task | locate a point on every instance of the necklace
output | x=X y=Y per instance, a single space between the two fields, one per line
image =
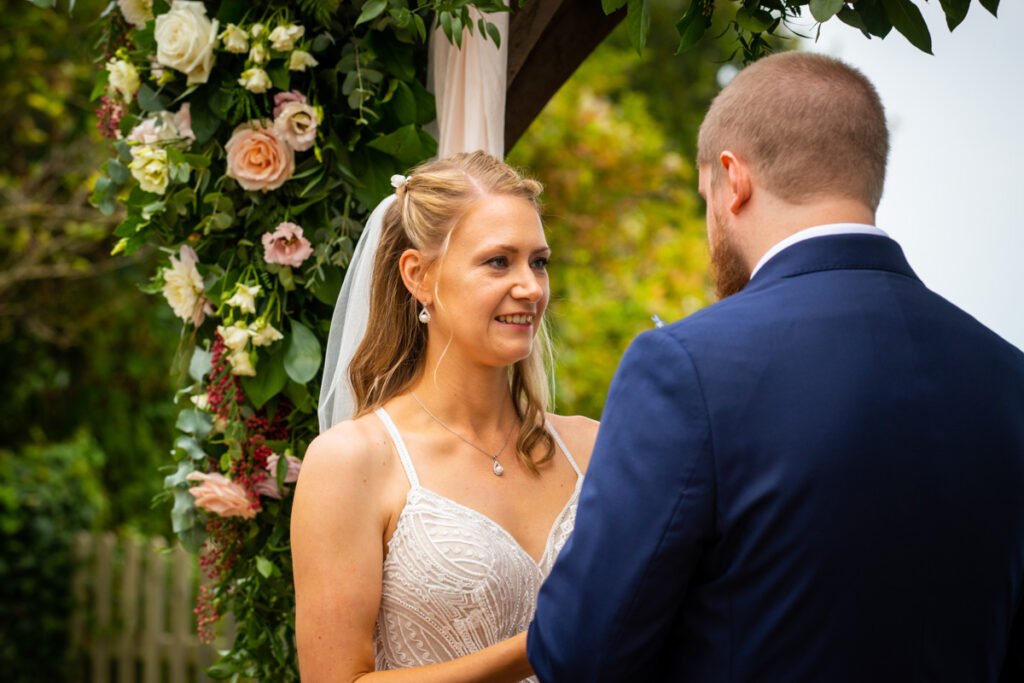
x=495 y=465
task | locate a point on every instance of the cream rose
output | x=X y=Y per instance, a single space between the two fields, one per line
x=259 y=53
x=183 y=287
x=255 y=80
x=185 y=39
x=258 y=158
x=300 y=59
x=235 y=337
x=264 y=334
x=283 y=37
x=296 y=122
x=123 y=78
x=235 y=40
x=149 y=167
x=241 y=364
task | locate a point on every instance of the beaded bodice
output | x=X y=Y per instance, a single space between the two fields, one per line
x=455 y=581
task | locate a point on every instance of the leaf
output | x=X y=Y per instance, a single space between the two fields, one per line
x=190 y=447
x=204 y=121
x=823 y=10
x=403 y=144
x=494 y=33
x=371 y=10
x=149 y=100
x=280 y=76
x=991 y=5
x=404 y=104
x=691 y=27
x=269 y=380
x=327 y=287
x=194 y=422
x=200 y=364
x=183 y=514
x=906 y=18
x=232 y=11
x=610 y=6
x=955 y=10
x=638 y=23
x=302 y=354
x=753 y=21
x=851 y=18
x=874 y=18
x=265 y=567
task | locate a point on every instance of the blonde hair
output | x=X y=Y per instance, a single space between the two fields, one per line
x=391 y=357
x=810 y=126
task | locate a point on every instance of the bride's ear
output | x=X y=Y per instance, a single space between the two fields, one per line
x=417 y=275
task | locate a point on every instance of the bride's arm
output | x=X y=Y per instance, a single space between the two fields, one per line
x=338 y=522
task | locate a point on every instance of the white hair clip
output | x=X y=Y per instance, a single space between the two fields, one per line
x=398 y=181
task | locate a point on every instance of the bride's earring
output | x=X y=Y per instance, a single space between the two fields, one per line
x=424 y=315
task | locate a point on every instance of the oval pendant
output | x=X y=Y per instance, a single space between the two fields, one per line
x=497 y=469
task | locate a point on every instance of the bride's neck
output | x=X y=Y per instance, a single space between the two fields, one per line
x=475 y=399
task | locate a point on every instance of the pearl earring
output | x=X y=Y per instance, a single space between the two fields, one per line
x=424 y=315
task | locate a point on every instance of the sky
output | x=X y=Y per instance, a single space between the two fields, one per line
x=954 y=195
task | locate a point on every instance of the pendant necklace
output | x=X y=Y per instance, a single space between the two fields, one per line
x=496 y=467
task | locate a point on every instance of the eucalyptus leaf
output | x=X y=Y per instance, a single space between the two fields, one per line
x=149 y=100
x=194 y=422
x=906 y=18
x=189 y=446
x=183 y=514
x=302 y=354
x=823 y=10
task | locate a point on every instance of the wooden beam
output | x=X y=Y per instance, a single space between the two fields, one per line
x=548 y=40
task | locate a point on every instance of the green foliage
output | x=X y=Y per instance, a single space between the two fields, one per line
x=756 y=24
x=47 y=493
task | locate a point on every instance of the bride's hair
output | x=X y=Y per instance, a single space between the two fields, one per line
x=391 y=357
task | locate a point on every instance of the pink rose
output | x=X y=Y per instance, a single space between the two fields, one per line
x=268 y=487
x=183 y=122
x=221 y=496
x=282 y=98
x=296 y=123
x=286 y=246
x=258 y=158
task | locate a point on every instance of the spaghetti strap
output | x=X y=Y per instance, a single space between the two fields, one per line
x=568 y=455
x=403 y=453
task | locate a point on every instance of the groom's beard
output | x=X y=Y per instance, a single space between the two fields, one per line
x=728 y=270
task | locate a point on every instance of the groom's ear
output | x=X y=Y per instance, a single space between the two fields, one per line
x=416 y=275
x=738 y=179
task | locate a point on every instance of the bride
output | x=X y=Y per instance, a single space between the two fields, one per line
x=423 y=527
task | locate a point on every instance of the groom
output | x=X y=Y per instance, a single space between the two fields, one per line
x=820 y=478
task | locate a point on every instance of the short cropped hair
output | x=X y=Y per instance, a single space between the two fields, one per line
x=809 y=126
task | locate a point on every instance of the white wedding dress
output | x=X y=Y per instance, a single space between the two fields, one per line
x=455 y=581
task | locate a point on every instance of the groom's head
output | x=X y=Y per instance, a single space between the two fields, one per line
x=794 y=140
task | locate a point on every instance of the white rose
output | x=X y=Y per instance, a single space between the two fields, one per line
x=185 y=39
x=258 y=54
x=264 y=334
x=300 y=59
x=256 y=30
x=241 y=364
x=244 y=298
x=235 y=40
x=284 y=36
x=136 y=12
x=124 y=78
x=183 y=286
x=255 y=80
x=235 y=337
x=149 y=167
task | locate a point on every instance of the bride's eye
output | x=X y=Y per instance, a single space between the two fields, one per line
x=541 y=262
x=498 y=262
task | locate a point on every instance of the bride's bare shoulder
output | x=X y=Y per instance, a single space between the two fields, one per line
x=579 y=434
x=353 y=448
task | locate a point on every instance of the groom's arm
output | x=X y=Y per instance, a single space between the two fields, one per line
x=646 y=508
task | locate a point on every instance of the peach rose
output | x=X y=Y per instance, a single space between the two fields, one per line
x=286 y=246
x=268 y=487
x=221 y=496
x=258 y=158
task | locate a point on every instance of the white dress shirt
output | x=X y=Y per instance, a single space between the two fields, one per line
x=818 y=231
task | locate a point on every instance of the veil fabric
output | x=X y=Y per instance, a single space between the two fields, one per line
x=469 y=88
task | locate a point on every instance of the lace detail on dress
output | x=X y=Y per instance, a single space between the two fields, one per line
x=455 y=581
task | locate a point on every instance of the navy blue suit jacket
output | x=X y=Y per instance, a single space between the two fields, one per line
x=818 y=479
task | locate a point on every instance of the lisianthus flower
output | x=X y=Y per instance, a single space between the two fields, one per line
x=136 y=12
x=123 y=78
x=296 y=122
x=264 y=334
x=284 y=36
x=164 y=126
x=244 y=298
x=268 y=487
x=149 y=167
x=241 y=364
x=286 y=246
x=300 y=59
x=255 y=80
x=221 y=496
x=283 y=98
x=235 y=337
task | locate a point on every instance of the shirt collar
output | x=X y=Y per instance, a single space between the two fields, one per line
x=818 y=231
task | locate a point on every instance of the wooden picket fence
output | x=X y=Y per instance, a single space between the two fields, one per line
x=133 y=618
